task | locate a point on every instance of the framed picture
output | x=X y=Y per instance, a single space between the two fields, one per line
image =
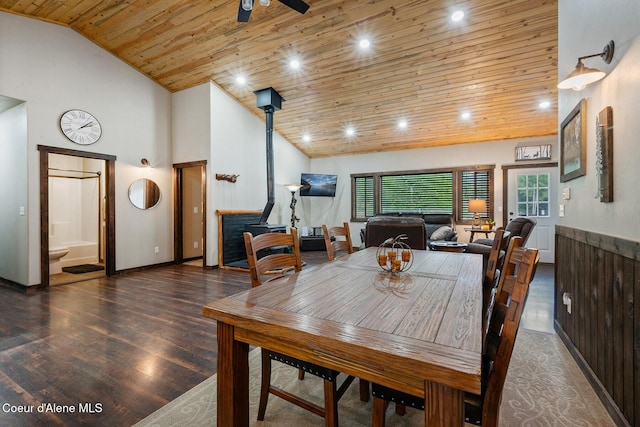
x=533 y=152
x=604 y=154
x=573 y=143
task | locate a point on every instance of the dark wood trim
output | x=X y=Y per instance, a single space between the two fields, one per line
x=178 y=236
x=505 y=182
x=44 y=219
x=626 y=248
x=110 y=209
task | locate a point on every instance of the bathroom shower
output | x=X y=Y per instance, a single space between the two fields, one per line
x=75 y=214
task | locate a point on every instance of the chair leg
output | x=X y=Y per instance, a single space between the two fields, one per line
x=300 y=374
x=379 y=409
x=265 y=383
x=330 y=404
x=401 y=409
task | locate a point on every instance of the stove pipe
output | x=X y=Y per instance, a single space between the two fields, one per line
x=270 y=101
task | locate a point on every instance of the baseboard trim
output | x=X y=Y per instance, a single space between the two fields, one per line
x=598 y=387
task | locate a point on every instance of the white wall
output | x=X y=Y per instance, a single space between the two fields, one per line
x=210 y=125
x=585 y=26
x=319 y=210
x=13 y=194
x=54 y=69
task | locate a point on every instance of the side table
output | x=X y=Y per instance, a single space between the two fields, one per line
x=474 y=230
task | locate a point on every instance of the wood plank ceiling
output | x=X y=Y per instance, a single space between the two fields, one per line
x=498 y=63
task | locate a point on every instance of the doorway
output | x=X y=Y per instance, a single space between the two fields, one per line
x=105 y=214
x=190 y=206
x=531 y=191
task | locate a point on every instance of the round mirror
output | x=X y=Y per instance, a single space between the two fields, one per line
x=144 y=193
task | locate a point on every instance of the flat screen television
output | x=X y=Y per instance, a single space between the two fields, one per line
x=316 y=184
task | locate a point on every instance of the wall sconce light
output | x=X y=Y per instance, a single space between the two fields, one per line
x=582 y=76
x=293 y=188
x=145 y=163
x=476 y=206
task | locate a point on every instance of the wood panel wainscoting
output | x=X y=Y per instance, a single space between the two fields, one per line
x=601 y=276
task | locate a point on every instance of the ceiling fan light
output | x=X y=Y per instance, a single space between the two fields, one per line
x=247 y=5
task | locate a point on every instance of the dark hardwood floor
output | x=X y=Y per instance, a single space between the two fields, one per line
x=116 y=349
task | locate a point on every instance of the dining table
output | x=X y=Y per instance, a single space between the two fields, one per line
x=418 y=331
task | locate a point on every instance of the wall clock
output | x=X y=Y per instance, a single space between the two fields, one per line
x=80 y=127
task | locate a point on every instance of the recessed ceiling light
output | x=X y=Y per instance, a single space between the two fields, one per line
x=306 y=137
x=241 y=80
x=457 y=16
x=350 y=131
x=294 y=64
x=465 y=115
x=364 y=44
x=544 y=104
x=402 y=124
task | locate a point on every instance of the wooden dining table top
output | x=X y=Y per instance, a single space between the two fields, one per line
x=400 y=330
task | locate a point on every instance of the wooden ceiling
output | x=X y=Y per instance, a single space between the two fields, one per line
x=498 y=63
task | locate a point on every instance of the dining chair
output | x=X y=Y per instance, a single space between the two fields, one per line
x=280 y=253
x=482 y=409
x=337 y=239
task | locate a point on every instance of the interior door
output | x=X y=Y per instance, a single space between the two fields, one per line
x=533 y=194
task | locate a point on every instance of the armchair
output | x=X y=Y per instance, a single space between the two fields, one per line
x=520 y=226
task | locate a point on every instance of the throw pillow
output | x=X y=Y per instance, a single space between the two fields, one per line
x=440 y=233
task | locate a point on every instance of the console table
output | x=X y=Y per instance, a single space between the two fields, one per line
x=312 y=243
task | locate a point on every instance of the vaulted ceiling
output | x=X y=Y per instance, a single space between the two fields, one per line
x=498 y=63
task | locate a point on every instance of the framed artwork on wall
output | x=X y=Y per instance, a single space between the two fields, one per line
x=573 y=143
x=604 y=154
x=533 y=152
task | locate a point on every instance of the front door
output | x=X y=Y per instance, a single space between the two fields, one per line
x=533 y=194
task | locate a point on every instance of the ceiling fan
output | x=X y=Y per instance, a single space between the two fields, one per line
x=246 y=6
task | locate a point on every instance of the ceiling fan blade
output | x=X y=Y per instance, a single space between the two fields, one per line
x=243 y=15
x=297 y=5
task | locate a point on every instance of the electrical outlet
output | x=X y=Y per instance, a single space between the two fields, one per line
x=195 y=245
x=566 y=300
x=156 y=249
x=195 y=209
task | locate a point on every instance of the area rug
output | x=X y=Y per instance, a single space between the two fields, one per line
x=82 y=268
x=544 y=387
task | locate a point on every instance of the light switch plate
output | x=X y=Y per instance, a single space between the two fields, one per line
x=561 y=211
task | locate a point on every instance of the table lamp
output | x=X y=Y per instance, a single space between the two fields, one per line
x=293 y=188
x=476 y=206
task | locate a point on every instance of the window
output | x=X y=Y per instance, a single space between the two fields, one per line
x=533 y=195
x=420 y=193
x=426 y=191
x=475 y=185
x=363 y=206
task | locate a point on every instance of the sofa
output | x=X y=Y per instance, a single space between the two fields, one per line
x=421 y=229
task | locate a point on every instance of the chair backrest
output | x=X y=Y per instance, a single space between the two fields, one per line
x=491 y=274
x=281 y=254
x=494 y=257
x=522 y=227
x=503 y=328
x=337 y=239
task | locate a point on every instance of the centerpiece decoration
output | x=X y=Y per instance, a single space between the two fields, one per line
x=394 y=255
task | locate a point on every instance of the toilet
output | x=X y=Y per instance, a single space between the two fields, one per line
x=55 y=254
